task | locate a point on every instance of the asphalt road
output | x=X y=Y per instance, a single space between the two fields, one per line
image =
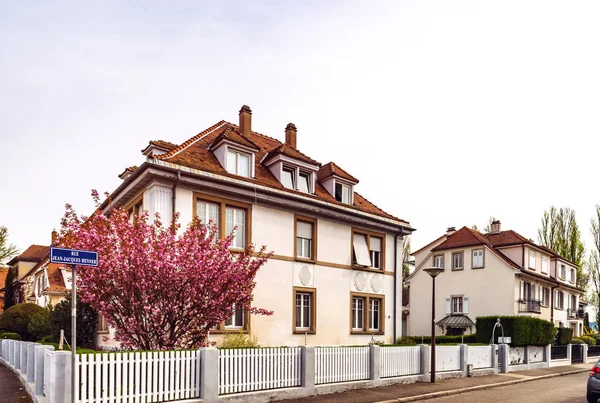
x=563 y=389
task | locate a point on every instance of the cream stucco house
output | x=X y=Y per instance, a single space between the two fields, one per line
x=335 y=276
x=498 y=273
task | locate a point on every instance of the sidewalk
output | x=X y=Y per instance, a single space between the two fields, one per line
x=426 y=390
x=11 y=389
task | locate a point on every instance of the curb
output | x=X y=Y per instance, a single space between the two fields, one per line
x=451 y=392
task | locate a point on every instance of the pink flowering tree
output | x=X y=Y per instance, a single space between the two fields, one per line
x=158 y=289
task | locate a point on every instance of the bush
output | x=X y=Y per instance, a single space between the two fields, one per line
x=10 y=336
x=239 y=340
x=49 y=339
x=87 y=318
x=405 y=341
x=523 y=330
x=16 y=319
x=39 y=325
x=564 y=336
x=590 y=341
x=576 y=340
x=467 y=338
x=595 y=336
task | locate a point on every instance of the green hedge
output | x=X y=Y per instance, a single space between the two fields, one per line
x=590 y=341
x=467 y=338
x=523 y=330
x=10 y=336
x=564 y=336
x=576 y=340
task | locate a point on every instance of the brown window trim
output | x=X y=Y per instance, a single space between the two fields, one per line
x=481 y=267
x=100 y=320
x=312 y=221
x=247 y=326
x=443 y=259
x=462 y=252
x=223 y=204
x=131 y=206
x=313 y=310
x=366 y=309
x=368 y=234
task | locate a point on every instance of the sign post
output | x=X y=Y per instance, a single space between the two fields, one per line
x=73 y=258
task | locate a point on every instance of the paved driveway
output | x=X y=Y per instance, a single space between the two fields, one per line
x=11 y=389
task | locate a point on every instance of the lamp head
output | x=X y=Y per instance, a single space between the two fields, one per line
x=434 y=271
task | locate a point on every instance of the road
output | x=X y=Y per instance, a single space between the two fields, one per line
x=563 y=389
x=11 y=390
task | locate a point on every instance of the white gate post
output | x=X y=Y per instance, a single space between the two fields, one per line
x=375 y=362
x=425 y=363
x=39 y=367
x=503 y=352
x=585 y=353
x=464 y=358
x=495 y=357
x=23 y=359
x=209 y=374
x=59 y=382
x=17 y=353
x=308 y=362
x=31 y=361
x=570 y=353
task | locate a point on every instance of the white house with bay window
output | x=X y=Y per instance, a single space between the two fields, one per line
x=335 y=276
x=497 y=273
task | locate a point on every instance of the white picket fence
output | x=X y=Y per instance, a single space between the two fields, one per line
x=341 y=364
x=252 y=369
x=447 y=358
x=400 y=361
x=480 y=356
x=156 y=376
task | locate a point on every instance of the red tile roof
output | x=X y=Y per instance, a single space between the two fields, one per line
x=333 y=169
x=34 y=253
x=462 y=238
x=292 y=153
x=165 y=145
x=195 y=153
x=235 y=136
x=505 y=238
x=55 y=278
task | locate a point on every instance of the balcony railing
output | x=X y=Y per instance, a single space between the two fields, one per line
x=530 y=305
x=575 y=314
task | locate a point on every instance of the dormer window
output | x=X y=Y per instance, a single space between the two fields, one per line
x=342 y=193
x=287 y=177
x=304 y=182
x=238 y=163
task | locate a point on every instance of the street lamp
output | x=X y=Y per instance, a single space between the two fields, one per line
x=433 y=272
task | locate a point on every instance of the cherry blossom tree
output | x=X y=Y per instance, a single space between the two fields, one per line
x=158 y=289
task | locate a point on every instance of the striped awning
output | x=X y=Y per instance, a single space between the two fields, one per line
x=457 y=321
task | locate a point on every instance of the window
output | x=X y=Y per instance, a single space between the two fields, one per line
x=559 y=299
x=531 y=259
x=572 y=277
x=545 y=264
x=304 y=182
x=136 y=208
x=287 y=178
x=238 y=163
x=457 y=261
x=457 y=305
x=561 y=273
x=102 y=325
x=478 y=259
x=235 y=219
x=305 y=306
x=305 y=238
x=545 y=296
x=342 y=193
x=368 y=250
x=236 y=320
x=367 y=313
x=573 y=304
x=208 y=213
x=375 y=252
x=438 y=261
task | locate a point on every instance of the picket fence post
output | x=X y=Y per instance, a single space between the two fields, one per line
x=425 y=363
x=308 y=368
x=17 y=354
x=375 y=362
x=39 y=367
x=59 y=382
x=209 y=374
x=464 y=358
x=30 y=362
x=570 y=353
x=23 y=359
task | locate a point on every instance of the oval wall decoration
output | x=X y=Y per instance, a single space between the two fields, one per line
x=360 y=281
x=377 y=283
x=304 y=275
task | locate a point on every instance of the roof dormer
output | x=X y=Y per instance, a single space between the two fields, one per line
x=158 y=147
x=339 y=183
x=235 y=152
x=127 y=172
x=292 y=169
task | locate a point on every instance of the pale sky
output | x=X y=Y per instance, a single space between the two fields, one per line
x=448 y=112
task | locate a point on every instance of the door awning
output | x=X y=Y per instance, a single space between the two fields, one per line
x=456 y=321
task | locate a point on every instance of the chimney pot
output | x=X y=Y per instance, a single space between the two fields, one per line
x=246 y=120
x=495 y=227
x=290 y=135
x=450 y=231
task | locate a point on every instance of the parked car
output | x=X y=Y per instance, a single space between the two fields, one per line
x=593 y=384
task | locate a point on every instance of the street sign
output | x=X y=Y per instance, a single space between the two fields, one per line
x=74 y=256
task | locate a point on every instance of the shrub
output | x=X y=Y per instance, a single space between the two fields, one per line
x=523 y=330
x=467 y=338
x=87 y=318
x=239 y=340
x=10 y=336
x=39 y=325
x=590 y=341
x=16 y=319
x=405 y=341
x=564 y=336
x=49 y=339
x=576 y=340
x=595 y=336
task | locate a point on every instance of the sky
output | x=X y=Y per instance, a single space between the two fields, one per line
x=447 y=112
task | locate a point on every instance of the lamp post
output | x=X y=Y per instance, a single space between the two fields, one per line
x=433 y=272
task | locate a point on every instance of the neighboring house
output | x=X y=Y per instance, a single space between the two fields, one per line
x=22 y=267
x=336 y=273
x=3 y=274
x=499 y=273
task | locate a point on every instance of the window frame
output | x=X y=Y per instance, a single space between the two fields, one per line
x=237 y=153
x=221 y=329
x=462 y=304
x=343 y=185
x=572 y=275
x=368 y=235
x=482 y=258
x=308 y=181
x=293 y=172
x=234 y=328
x=367 y=313
x=132 y=206
x=532 y=254
x=313 y=310
x=102 y=327
x=223 y=204
x=462 y=259
x=309 y=220
x=435 y=256
x=547 y=260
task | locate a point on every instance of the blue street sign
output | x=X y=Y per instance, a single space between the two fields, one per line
x=74 y=256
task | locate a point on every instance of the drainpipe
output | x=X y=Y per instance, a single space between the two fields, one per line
x=174 y=197
x=552 y=303
x=395 y=283
x=522 y=256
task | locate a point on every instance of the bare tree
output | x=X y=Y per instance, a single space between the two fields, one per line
x=7 y=251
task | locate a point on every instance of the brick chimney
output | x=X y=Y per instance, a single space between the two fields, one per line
x=450 y=231
x=54 y=239
x=246 y=120
x=290 y=135
x=495 y=227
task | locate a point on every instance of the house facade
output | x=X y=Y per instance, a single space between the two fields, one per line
x=498 y=273
x=335 y=275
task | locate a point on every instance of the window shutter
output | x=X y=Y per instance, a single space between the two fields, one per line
x=465 y=305
x=304 y=230
x=532 y=296
x=361 y=250
x=375 y=244
x=448 y=307
x=522 y=290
